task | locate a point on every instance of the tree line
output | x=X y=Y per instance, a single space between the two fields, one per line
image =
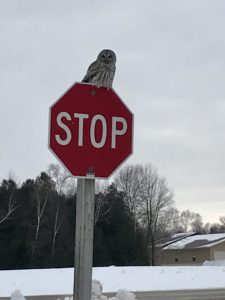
x=136 y=210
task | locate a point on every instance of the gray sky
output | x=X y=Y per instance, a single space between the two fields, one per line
x=170 y=72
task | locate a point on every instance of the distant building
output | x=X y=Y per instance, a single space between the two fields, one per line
x=191 y=249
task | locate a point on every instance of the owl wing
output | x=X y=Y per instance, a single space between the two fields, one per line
x=91 y=72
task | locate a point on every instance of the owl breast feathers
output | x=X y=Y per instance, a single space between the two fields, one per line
x=101 y=72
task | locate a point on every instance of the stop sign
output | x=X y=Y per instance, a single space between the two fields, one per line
x=91 y=131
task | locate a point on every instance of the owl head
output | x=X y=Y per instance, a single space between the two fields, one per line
x=107 y=57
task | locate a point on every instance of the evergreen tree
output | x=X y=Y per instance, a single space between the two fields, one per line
x=116 y=239
x=37 y=227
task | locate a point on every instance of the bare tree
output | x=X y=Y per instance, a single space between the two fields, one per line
x=100 y=209
x=101 y=186
x=156 y=197
x=65 y=184
x=11 y=207
x=197 y=223
x=169 y=222
x=40 y=207
x=147 y=196
x=222 y=221
x=100 y=189
x=215 y=228
x=43 y=188
x=128 y=181
x=57 y=225
x=186 y=218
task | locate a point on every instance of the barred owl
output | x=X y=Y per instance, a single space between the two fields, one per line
x=101 y=72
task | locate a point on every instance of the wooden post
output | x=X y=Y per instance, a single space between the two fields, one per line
x=84 y=239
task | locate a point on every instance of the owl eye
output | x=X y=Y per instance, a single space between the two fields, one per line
x=103 y=55
x=109 y=56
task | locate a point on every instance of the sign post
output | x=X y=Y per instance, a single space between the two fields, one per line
x=84 y=239
x=91 y=133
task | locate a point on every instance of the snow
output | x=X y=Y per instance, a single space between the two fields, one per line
x=181 y=234
x=124 y=295
x=214 y=263
x=209 y=237
x=97 y=291
x=17 y=295
x=134 y=279
x=95 y=295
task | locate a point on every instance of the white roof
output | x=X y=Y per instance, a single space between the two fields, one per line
x=197 y=241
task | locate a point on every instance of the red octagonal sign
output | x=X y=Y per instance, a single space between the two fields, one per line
x=91 y=131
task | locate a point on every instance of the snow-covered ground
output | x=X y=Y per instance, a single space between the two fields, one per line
x=133 y=279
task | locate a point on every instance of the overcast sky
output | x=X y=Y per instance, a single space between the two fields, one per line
x=170 y=72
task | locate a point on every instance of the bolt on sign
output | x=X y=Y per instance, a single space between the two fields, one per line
x=91 y=131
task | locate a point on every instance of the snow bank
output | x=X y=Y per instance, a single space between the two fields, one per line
x=134 y=279
x=17 y=295
x=124 y=295
x=121 y=294
x=97 y=293
x=214 y=263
